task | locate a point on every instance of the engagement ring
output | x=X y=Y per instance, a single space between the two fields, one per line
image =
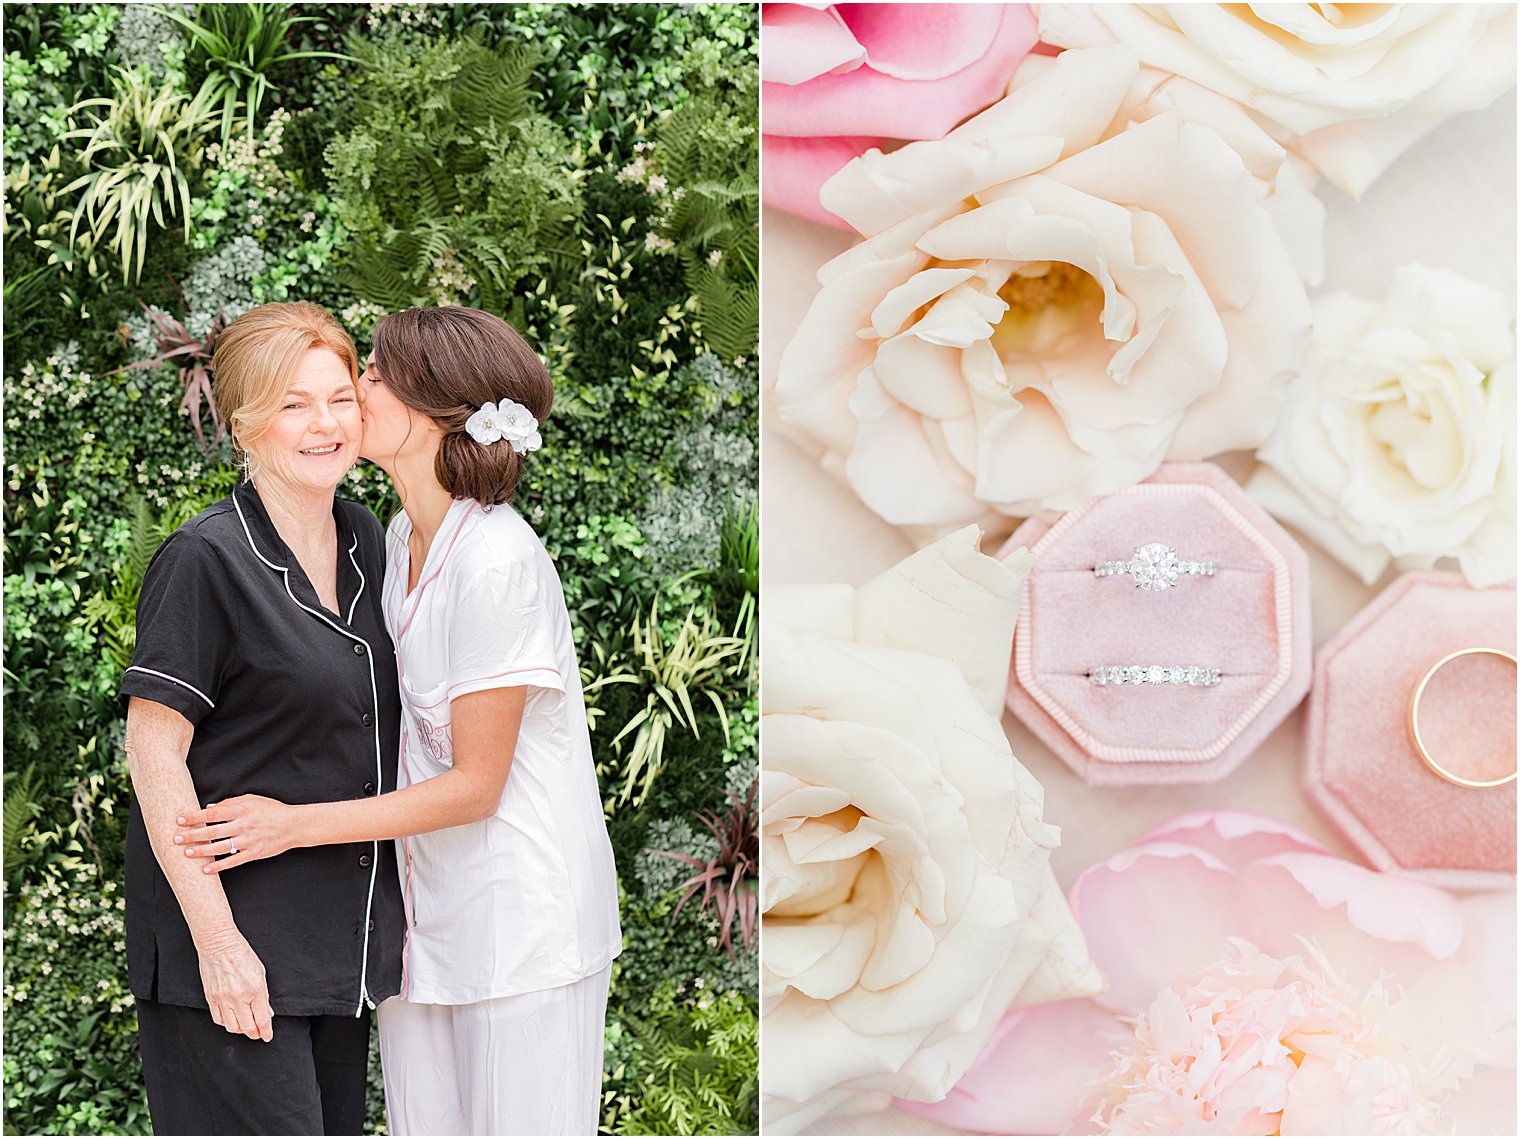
x=232 y=846
x=1155 y=567
x=1154 y=674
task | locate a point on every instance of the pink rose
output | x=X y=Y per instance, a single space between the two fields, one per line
x=840 y=79
x=1260 y=986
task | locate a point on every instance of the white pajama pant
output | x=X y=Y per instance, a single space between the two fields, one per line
x=530 y=1064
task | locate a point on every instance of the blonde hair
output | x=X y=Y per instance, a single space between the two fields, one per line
x=257 y=356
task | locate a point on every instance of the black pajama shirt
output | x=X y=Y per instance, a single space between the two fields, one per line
x=300 y=704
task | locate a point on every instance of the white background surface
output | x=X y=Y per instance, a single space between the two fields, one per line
x=1449 y=203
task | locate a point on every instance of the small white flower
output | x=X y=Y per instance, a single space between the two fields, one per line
x=508 y=420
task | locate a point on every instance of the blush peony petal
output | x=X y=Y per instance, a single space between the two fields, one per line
x=1381 y=913
x=1484 y=1104
x=1034 y=1074
x=1236 y=838
x=798 y=43
x=1116 y=902
x=793 y=170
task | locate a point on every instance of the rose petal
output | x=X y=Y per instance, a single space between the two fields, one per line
x=913 y=41
x=951 y=599
x=798 y=43
x=895 y=468
x=868 y=101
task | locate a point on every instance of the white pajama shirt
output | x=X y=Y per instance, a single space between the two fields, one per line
x=502 y=911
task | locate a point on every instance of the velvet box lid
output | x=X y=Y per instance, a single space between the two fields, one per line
x=1360 y=766
x=1250 y=620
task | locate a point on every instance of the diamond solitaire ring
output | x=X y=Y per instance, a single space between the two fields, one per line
x=1154 y=674
x=1155 y=567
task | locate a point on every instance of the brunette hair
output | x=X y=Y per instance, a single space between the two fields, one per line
x=257 y=357
x=445 y=363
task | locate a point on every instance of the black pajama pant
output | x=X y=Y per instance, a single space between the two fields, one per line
x=204 y=1080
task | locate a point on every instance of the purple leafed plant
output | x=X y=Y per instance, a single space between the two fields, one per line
x=727 y=879
x=194 y=358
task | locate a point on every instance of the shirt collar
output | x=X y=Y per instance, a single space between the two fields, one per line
x=268 y=547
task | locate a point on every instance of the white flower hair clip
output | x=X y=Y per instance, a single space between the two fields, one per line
x=507 y=420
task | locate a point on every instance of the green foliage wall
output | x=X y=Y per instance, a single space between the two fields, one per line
x=587 y=171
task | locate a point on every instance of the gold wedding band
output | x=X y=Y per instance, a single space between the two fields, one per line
x=1414 y=720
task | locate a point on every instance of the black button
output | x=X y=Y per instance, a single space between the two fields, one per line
x=364 y=861
x=366 y=719
x=371 y=924
x=358 y=650
x=369 y=788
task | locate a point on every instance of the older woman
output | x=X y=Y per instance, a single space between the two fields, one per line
x=510 y=885
x=263 y=665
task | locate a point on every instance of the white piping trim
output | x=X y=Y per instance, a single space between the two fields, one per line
x=352 y=605
x=175 y=679
x=369 y=660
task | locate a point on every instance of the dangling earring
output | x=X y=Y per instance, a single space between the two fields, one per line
x=247 y=468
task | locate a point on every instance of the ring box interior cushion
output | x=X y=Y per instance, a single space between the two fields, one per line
x=1250 y=620
x=1361 y=767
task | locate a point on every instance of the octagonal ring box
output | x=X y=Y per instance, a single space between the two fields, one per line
x=1360 y=766
x=1250 y=620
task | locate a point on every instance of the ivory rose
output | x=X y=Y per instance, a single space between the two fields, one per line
x=906 y=890
x=1102 y=271
x=838 y=79
x=1348 y=86
x=1260 y=986
x=1398 y=443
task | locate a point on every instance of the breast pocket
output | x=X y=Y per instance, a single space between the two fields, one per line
x=428 y=712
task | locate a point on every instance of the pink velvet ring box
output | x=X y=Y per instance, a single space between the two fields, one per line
x=1362 y=769
x=1250 y=620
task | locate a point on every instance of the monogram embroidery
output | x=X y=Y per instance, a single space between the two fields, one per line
x=435 y=738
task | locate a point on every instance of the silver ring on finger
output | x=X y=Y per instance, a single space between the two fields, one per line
x=232 y=846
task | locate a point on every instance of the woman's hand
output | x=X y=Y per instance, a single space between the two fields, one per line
x=238 y=996
x=246 y=828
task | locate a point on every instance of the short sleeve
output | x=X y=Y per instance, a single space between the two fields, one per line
x=185 y=630
x=504 y=633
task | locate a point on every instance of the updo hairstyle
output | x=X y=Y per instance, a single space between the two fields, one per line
x=445 y=363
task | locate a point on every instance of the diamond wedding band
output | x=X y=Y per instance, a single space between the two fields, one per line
x=1154 y=674
x=232 y=846
x=1155 y=567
